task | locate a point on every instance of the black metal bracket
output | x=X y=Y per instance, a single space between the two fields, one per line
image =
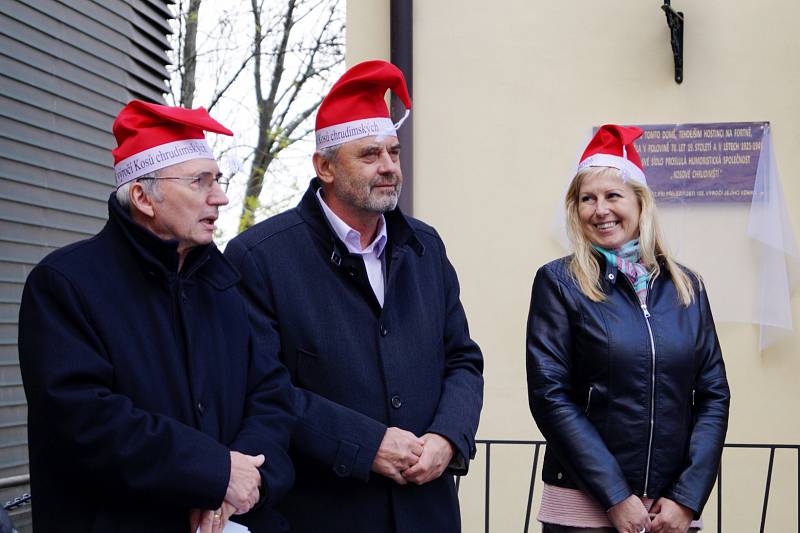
x=675 y=23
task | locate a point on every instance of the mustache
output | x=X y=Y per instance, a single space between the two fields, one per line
x=388 y=179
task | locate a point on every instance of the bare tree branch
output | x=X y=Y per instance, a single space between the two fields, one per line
x=309 y=73
x=221 y=92
x=300 y=118
x=277 y=72
x=189 y=55
x=295 y=88
x=273 y=73
x=266 y=133
x=257 y=39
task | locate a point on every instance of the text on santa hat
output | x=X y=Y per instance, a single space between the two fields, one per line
x=340 y=135
x=140 y=164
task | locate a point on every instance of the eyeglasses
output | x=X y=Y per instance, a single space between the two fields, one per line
x=202 y=182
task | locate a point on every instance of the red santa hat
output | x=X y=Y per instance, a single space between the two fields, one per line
x=152 y=136
x=355 y=106
x=612 y=146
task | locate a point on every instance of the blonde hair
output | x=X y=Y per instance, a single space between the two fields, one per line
x=584 y=265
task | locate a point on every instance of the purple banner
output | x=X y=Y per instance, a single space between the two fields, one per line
x=701 y=162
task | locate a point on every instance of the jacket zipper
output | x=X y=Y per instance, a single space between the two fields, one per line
x=646 y=314
x=652 y=396
x=588 y=400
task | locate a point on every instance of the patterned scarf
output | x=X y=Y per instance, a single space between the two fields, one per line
x=628 y=260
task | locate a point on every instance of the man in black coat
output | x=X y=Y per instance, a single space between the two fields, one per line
x=388 y=382
x=147 y=407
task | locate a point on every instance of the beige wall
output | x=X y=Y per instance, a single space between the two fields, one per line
x=505 y=95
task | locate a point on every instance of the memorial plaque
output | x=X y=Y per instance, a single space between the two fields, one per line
x=701 y=162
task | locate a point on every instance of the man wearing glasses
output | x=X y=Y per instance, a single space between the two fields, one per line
x=147 y=409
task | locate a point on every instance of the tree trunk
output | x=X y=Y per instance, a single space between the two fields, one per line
x=294 y=47
x=189 y=55
x=264 y=151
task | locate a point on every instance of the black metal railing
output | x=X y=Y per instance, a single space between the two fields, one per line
x=16 y=488
x=14 y=482
x=538 y=444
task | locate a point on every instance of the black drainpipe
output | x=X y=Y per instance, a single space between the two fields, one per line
x=402 y=55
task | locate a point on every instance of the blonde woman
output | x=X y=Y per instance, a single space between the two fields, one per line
x=625 y=376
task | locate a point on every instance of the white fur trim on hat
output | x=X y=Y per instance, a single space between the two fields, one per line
x=628 y=169
x=159 y=157
x=356 y=129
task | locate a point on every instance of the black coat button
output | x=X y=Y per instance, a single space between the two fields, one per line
x=200 y=408
x=342 y=470
x=397 y=403
x=384 y=331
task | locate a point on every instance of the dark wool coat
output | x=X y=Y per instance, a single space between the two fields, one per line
x=359 y=368
x=139 y=381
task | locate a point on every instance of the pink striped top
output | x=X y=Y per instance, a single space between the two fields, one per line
x=575 y=508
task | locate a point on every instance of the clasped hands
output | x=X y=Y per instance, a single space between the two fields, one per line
x=242 y=494
x=666 y=516
x=405 y=458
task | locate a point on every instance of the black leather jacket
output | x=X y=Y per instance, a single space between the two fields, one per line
x=630 y=400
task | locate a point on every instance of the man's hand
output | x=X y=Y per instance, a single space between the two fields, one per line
x=399 y=450
x=671 y=517
x=437 y=453
x=210 y=521
x=244 y=482
x=630 y=515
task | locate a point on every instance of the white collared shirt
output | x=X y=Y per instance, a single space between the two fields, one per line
x=372 y=254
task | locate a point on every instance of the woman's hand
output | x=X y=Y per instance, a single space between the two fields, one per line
x=630 y=516
x=671 y=517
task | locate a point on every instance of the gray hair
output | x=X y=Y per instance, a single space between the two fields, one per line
x=329 y=153
x=150 y=187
